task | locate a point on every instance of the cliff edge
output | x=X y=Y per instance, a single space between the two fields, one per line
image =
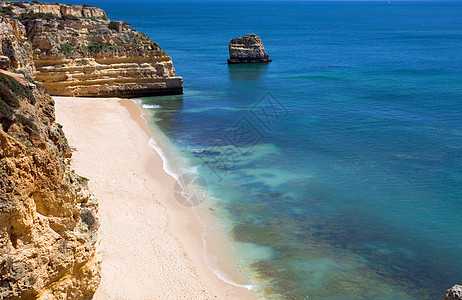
x=78 y=51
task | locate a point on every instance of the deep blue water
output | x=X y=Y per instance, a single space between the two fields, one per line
x=352 y=187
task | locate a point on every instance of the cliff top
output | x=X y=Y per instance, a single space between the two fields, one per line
x=77 y=31
x=45 y=11
x=249 y=39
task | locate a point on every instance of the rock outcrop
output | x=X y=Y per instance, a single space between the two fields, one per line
x=454 y=293
x=247 y=49
x=78 y=51
x=15 y=48
x=48 y=225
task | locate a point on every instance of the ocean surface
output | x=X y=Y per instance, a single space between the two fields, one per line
x=337 y=168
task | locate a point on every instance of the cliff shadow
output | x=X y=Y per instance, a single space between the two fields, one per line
x=253 y=71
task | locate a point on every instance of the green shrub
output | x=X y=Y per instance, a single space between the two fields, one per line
x=6 y=11
x=82 y=62
x=33 y=16
x=69 y=17
x=96 y=18
x=67 y=48
x=31 y=80
x=18 y=4
x=244 y=40
x=32 y=280
x=11 y=90
x=81 y=179
x=7 y=96
x=27 y=122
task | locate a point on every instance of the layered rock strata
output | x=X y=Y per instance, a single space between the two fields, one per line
x=247 y=49
x=48 y=224
x=78 y=51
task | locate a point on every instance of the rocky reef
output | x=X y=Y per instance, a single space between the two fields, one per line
x=247 y=49
x=78 y=51
x=48 y=224
x=454 y=293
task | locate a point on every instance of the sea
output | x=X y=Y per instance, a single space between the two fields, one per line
x=336 y=169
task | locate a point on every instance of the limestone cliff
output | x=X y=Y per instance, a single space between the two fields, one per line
x=48 y=226
x=15 y=48
x=247 y=49
x=77 y=51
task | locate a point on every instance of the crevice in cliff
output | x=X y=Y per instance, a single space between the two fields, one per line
x=13 y=238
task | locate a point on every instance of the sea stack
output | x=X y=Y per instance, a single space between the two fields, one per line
x=454 y=293
x=247 y=49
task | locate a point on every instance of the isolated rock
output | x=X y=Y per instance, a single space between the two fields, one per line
x=454 y=293
x=247 y=49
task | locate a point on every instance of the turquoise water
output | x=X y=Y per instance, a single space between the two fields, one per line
x=352 y=187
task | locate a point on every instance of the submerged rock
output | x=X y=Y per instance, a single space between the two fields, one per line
x=454 y=293
x=247 y=49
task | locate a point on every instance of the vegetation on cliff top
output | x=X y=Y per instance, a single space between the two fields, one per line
x=7 y=11
x=49 y=16
x=68 y=48
x=244 y=40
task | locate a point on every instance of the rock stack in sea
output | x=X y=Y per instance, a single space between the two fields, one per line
x=247 y=49
x=78 y=51
x=454 y=293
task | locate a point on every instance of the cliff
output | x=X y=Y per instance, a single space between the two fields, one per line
x=48 y=225
x=78 y=51
x=247 y=49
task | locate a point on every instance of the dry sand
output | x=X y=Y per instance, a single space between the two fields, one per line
x=151 y=247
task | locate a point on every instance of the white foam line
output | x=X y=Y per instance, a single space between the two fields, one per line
x=148 y=106
x=218 y=274
x=153 y=144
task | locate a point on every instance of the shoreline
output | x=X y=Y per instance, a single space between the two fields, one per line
x=151 y=245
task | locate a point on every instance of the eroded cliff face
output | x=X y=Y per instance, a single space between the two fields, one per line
x=48 y=219
x=47 y=216
x=247 y=49
x=15 y=48
x=77 y=51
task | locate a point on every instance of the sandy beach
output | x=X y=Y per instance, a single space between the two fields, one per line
x=151 y=246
